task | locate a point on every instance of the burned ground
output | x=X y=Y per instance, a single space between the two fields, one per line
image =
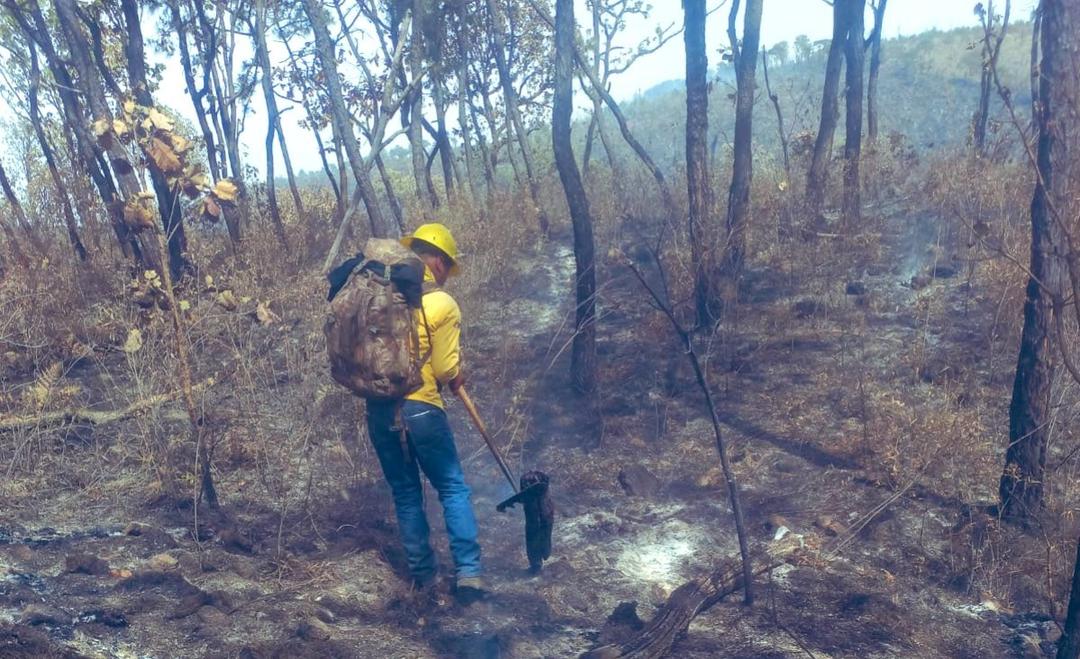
x=857 y=409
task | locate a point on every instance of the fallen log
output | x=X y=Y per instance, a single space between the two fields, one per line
x=92 y=417
x=673 y=618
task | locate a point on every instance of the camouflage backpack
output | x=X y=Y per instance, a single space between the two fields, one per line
x=371 y=337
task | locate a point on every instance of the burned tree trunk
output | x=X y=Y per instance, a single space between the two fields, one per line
x=1021 y=488
x=14 y=246
x=466 y=135
x=168 y=196
x=446 y=151
x=779 y=114
x=510 y=99
x=196 y=95
x=425 y=190
x=853 y=55
x=1036 y=29
x=698 y=185
x=89 y=84
x=830 y=111
x=583 y=356
x=391 y=196
x=218 y=78
x=324 y=47
x=50 y=159
x=738 y=212
x=990 y=52
x=875 y=66
x=87 y=150
x=616 y=112
x=1069 y=645
x=20 y=214
x=262 y=55
x=673 y=618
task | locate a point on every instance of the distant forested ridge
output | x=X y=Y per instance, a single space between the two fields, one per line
x=928 y=81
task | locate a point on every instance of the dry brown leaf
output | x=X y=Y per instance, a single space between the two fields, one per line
x=134 y=341
x=210 y=209
x=225 y=190
x=264 y=315
x=137 y=216
x=180 y=144
x=159 y=120
x=163 y=156
x=227 y=300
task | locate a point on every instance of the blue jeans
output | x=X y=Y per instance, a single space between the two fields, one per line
x=431 y=448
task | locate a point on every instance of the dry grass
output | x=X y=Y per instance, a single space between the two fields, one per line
x=911 y=386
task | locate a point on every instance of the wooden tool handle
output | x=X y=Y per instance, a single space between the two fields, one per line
x=470 y=407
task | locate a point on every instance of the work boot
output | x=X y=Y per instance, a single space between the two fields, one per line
x=471 y=589
x=427 y=593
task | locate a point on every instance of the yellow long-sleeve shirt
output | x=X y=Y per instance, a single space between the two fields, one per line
x=443 y=319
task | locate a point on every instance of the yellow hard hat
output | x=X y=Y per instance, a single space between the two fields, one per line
x=438 y=236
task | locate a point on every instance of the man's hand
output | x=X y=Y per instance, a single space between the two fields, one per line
x=458 y=382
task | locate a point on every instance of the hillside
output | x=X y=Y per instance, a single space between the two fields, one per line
x=929 y=84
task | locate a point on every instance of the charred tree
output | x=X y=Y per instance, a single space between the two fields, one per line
x=50 y=159
x=779 y=114
x=686 y=338
x=216 y=42
x=991 y=49
x=88 y=152
x=875 y=66
x=466 y=137
x=273 y=126
x=1069 y=645
x=89 y=85
x=315 y=125
x=1021 y=487
x=20 y=214
x=168 y=196
x=1036 y=28
x=391 y=196
x=698 y=185
x=830 y=111
x=854 y=53
x=324 y=47
x=195 y=93
x=14 y=246
x=442 y=134
x=738 y=212
x=583 y=359
x=510 y=100
x=672 y=619
x=425 y=190
x=624 y=126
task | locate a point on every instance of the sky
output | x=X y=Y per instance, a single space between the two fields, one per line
x=782 y=20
